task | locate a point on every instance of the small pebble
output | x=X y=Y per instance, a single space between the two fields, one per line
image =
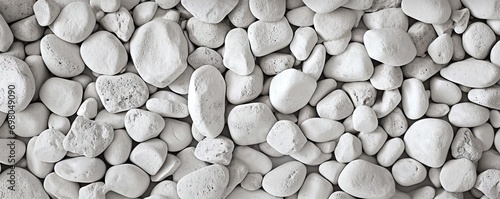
x=238 y=56
x=286 y=137
x=324 y=7
x=458 y=175
x=467 y=114
x=428 y=11
x=335 y=106
x=408 y=172
x=81 y=169
x=88 y=138
x=149 y=155
x=121 y=92
x=252 y=182
x=142 y=125
x=352 y=65
x=392 y=39
x=103 y=53
x=74 y=23
x=215 y=150
x=348 y=148
x=212 y=11
x=478 y=39
x=278 y=35
x=58 y=187
x=315 y=186
x=127 y=180
x=285 y=179
x=62 y=105
x=119 y=150
x=321 y=129
x=364 y=119
x=16 y=72
x=208 y=182
x=49 y=146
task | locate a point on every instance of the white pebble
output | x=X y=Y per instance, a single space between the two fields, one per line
x=443 y=91
x=408 y=172
x=303 y=42
x=88 y=108
x=352 y=65
x=268 y=10
x=121 y=92
x=149 y=155
x=49 y=146
x=390 y=99
x=390 y=152
x=206 y=56
x=335 y=106
x=212 y=11
x=395 y=123
x=315 y=63
x=27 y=30
x=46 y=11
x=87 y=137
x=144 y=12
x=324 y=6
x=63 y=105
x=143 y=125
x=386 y=77
x=361 y=93
x=103 y=53
x=277 y=34
x=206 y=34
x=478 y=39
x=38 y=168
x=215 y=150
x=80 y=169
x=242 y=89
x=414 y=98
x=252 y=182
x=437 y=110
x=241 y=16
x=127 y=180
x=6 y=36
x=392 y=39
x=311 y=155
x=485 y=96
x=285 y=180
x=315 y=186
x=321 y=129
x=387 y=18
x=74 y=23
x=485 y=134
x=348 y=148
x=170 y=165
x=427 y=11
x=26 y=185
x=467 y=114
x=168 y=104
x=331 y=170
x=16 y=152
x=189 y=163
x=147 y=47
x=120 y=22
x=58 y=187
x=487 y=182
x=364 y=119
x=238 y=56
x=301 y=16
x=381 y=185
x=208 y=182
x=441 y=49
x=458 y=175
x=255 y=161
x=61 y=58
x=283 y=88
x=237 y=172
x=286 y=137
x=421 y=68
x=36 y=114
x=428 y=141
x=275 y=63
x=373 y=141
x=119 y=150
x=485 y=10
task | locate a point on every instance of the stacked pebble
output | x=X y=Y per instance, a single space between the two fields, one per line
x=267 y=99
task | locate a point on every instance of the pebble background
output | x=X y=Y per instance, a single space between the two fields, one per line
x=249 y=99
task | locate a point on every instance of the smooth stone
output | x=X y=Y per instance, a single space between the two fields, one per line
x=472 y=73
x=116 y=120
x=331 y=170
x=58 y=187
x=216 y=151
x=315 y=63
x=334 y=25
x=364 y=119
x=144 y=12
x=485 y=10
x=244 y=88
x=444 y=91
x=75 y=22
x=321 y=129
x=37 y=115
x=15 y=149
x=238 y=56
x=212 y=11
x=458 y=175
x=181 y=84
x=437 y=110
x=386 y=77
x=352 y=180
x=241 y=16
x=395 y=123
x=255 y=161
x=61 y=58
x=428 y=141
x=149 y=155
x=207 y=34
x=352 y=65
x=390 y=152
x=283 y=89
x=121 y=92
x=478 y=39
x=27 y=29
x=13 y=10
x=61 y=96
x=120 y=22
x=335 y=106
x=385 y=105
x=414 y=98
x=348 y=148
x=26 y=185
x=324 y=87
x=428 y=11
x=143 y=125
x=170 y=165
x=177 y=134
x=387 y=18
x=311 y=155
x=168 y=104
x=166 y=188
x=286 y=137
x=301 y=16
x=88 y=138
x=208 y=182
x=485 y=134
x=189 y=163
x=206 y=100
x=119 y=150
x=421 y=68
x=237 y=173
x=252 y=182
x=80 y=169
x=284 y=180
x=161 y=34
x=373 y=141
x=277 y=34
x=127 y=180
x=275 y=63
x=96 y=190
x=49 y=146
x=441 y=49
x=485 y=96
x=38 y=168
x=103 y=53
x=361 y=93
x=408 y=172
x=16 y=72
x=206 y=56
x=467 y=114
x=6 y=36
x=392 y=39
x=315 y=186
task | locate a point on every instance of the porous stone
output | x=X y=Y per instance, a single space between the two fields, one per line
x=352 y=180
x=121 y=92
x=88 y=138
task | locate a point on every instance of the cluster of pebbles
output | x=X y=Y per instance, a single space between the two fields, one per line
x=249 y=99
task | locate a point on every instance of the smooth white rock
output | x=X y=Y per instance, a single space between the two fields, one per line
x=386 y=77
x=170 y=165
x=315 y=186
x=348 y=148
x=119 y=150
x=311 y=155
x=120 y=22
x=212 y=11
x=75 y=22
x=387 y=18
x=208 y=182
x=168 y=104
x=303 y=42
x=335 y=106
x=244 y=88
x=255 y=161
x=252 y=182
x=364 y=119
x=314 y=65
x=241 y=16
x=395 y=123
x=286 y=137
x=331 y=170
x=275 y=63
x=324 y=87
x=324 y=6
x=408 y=172
x=268 y=10
x=6 y=36
x=385 y=105
x=144 y=12
x=390 y=152
x=291 y=84
x=61 y=58
x=80 y=169
x=485 y=10
x=238 y=56
x=36 y=114
x=127 y=180
x=250 y=123
x=27 y=30
x=437 y=110
x=58 y=187
x=207 y=34
x=189 y=163
x=478 y=39
x=467 y=114
x=217 y=150
x=142 y=125
x=428 y=141
x=321 y=129
x=414 y=98
x=421 y=68
x=147 y=46
x=352 y=65
x=427 y=11
x=26 y=185
x=458 y=175
x=38 y=168
x=443 y=91
x=61 y=96
x=237 y=172
x=373 y=141
x=301 y=16
x=277 y=35
x=334 y=25
x=88 y=108
x=441 y=49
x=46 y=11
x=103 y=53
x=285 y=180
x=485 y=134
x=485 y=96
x=49 y=146
x=392 y=40
x=149 y=155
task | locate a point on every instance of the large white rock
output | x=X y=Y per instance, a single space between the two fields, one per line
x=458 y=175
x=208 y=182
x=285 y=180
x=427 y=11
x=250 y=123
x=286 y=137
x=206 y=100
x=238 y=56
x=81 y=169
x=61 y=58
x=121 y=92
x=428 y=141
x=267 y=37
x=386 y=45
x=61 y=96
x=156 y=65
x=468 y=114
x=127 y=180
x=17 y=73
x=353 y=180
x=352 y=65
x=414 y=98
x=472 y=73
x=291 y=90
x=103 y=53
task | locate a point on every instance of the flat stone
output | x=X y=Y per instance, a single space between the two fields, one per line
x=121 y=92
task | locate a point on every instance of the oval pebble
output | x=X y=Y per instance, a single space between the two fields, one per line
x=441 y=49
x=348 y=148
x=127 y=180
x=38 y=168
x=255 y=161
x=277 y=34
x=74 y=23
x=485 y=96
x=208 y=182
x=286 y=137
x=14 y=150
x=58 y=187
x=391 y=39
x=467 y=114
x=87 y=137
x=364 y=119
x=121 y=92
x=458 y=175
x=17 y=73
x=335 y=106
x=149 y=155
x=27 y=29
x=268 y=10
x=244 y=88
x=386 y=77
x=381 y=185
x=390 y=152
x=207 y=34
x=177 y=134
x=472 y=73
x=275 y=63
x=408 y=172
x=284 y=180
x=103 y=53
x=301 y=16
x=241 y=16
x=427 y=11
x=189 y=163
x=291 y=84
x=206 y=100
x=414 y=98
x=120 y=22
x=321 y=129
x=81 y=169
x=334 y=25
x=315 y=186
x=142 y=125
x=147 y=52
x=37 y=115
x=352 y=65
x=49 y=146
x=119 y=150
x=387 y=18
x=373 y=141
x=6 y=35
x=443 y=91
x=428 y=141
x=478 y=39
x=61 y=96
x=25 y=185
x=238 y=56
